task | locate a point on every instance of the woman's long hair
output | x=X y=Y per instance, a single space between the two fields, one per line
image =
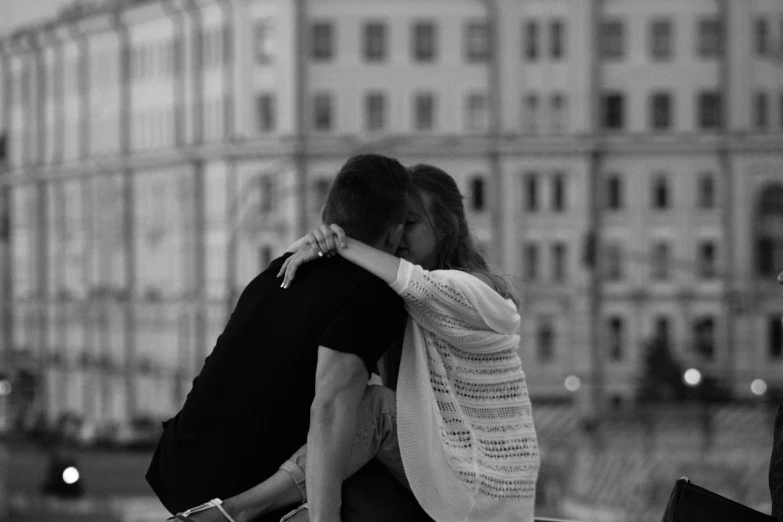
x=456 y=247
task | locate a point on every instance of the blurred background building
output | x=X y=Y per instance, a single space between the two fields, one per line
x=622 y=160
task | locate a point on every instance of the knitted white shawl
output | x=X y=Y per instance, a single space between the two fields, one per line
x=465 y=423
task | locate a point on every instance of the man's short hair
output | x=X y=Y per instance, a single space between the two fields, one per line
x=368 y=196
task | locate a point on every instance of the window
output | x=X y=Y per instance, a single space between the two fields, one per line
x=559 y=262
x=476 y=112
x=424 y=42
x=545 y=339
x=531 y=192
x=265 y=256
x=375 y=42
x=615 y=336
x=775 y=336
x=660 y=192
x=763 y=46
x=612 y=40
x=322 y=41
x=477 y=42
x=661 y=111
x=530 y=113
x=660 y=261
x=710 y=38
x=613 y=258
x=661 y=331
x=706 y=263
x=710 y=110
x=424 y=110
x=558 y=192
x=266 y=112
x=769 y=232
x=375 y=111
x=477 y=194
x=530 y=41
x=531 y=261
x=614 y=111
x=661 y=36
x=264 y=42
x=266 y=187
x=706 y=191
x=322 y=112
x=704 y=337
x=614 y=192
x=557 y=39
x=558 y=113
x=761 y=110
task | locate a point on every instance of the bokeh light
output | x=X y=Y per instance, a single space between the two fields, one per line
x=758 y=387
x=692 y=377
x=573 y=383
x=70 y=475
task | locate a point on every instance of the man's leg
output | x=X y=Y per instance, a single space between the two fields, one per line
x=376 y=437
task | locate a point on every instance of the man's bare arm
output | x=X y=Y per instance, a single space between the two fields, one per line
x=341 y=379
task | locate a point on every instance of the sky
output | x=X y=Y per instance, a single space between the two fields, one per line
x=15 y=13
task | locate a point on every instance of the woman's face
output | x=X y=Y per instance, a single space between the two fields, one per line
x=419 y=244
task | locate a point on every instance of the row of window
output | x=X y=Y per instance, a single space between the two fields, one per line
x=426 y=112
x=533 y=118
x=710 y=38
x=376 y=112
x=375 y=44
x=538 y=39
x=614 y=260
x=614 y=192
x=616 y=337
x=709 y=107
x=709 y=115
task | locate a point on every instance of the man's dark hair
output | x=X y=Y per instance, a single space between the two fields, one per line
x=368 y=195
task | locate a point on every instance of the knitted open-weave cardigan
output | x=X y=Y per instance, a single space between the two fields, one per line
x=464 y=419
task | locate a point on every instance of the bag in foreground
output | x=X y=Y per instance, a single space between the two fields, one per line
x=691 y=503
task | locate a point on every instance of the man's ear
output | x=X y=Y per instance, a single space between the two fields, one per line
x=394 y=235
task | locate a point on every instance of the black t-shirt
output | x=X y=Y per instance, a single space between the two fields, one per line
x=249 y=408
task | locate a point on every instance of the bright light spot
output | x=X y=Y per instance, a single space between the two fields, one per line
x=692 y=377
x=70 y=475
x=573 y=383
x=5 y=388
x=758 y=387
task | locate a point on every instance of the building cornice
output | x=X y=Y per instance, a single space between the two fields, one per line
x=335 y=147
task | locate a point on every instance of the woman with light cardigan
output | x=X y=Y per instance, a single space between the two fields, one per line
x=467 y=445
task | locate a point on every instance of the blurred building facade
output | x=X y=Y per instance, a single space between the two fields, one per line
x=621 y=159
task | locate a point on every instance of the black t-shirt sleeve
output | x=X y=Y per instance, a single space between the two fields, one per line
x=369 y=321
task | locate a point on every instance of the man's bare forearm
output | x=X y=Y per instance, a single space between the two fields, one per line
x=332 y=429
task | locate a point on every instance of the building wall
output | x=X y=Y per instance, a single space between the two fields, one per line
x=146 y=194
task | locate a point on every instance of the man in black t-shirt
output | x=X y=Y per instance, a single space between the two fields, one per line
x=292 y=363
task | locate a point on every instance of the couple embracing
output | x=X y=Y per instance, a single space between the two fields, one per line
x=283 y=416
